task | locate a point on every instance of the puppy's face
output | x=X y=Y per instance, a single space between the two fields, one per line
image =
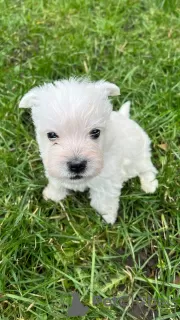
x=70 y=118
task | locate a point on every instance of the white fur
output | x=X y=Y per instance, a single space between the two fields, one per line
x=71 y=109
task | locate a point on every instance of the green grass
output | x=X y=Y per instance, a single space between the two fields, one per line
x=48 y=250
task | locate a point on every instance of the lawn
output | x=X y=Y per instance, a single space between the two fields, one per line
x=48 y=250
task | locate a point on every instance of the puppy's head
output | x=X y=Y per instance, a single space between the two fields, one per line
x=70 y=118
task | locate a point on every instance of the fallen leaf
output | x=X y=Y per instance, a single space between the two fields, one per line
x=177 y=280
x=163 y=146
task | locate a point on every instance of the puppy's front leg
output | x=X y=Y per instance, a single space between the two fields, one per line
x=106 y=203
x=54 y=191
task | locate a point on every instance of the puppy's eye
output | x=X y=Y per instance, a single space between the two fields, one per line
x=52 y=136
x=95 y=133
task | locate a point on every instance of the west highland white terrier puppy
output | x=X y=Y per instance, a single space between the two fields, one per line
x=84 y=144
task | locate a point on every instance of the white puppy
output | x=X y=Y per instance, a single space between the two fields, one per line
x=84 y=144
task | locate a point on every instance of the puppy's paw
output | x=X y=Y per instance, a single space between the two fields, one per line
x=107 y=210
x=149 y=186
x=50 y=193
x=111 y=219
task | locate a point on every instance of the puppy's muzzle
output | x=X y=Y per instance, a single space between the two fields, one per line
x=77 y=166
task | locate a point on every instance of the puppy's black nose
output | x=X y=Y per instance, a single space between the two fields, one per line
x=77 y=166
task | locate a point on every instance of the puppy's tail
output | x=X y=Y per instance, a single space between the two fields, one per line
x=125 y=109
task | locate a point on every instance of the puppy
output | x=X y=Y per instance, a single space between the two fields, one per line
x=84 y=144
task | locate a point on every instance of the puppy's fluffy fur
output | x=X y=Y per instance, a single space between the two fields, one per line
x=74 y=112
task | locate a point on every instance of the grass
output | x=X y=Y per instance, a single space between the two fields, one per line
x=48 y=250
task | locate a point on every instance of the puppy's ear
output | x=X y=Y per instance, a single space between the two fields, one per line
x=30 y=99
x=109 y=88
